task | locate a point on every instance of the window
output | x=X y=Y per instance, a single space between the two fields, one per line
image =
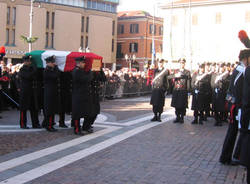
x=47 y=40
x=89 y=4
x=247 y=16
x=161 y=30
x=194 y=20
x=133 y=47
x=7 y=36
x=120 y=29
x=218 y=18
x=113 y=45
x=87 y=42
x=152 y=29
x=87 y=25
x=47 y=20
x=82 y=41
x=94 y=4
x=52 y=40
x=113 y=28
x=53 y=20
x=14 y=16
x=82 y=27
x=13 y=36
x=119 y=51
x=8 y=15
x=134 y=28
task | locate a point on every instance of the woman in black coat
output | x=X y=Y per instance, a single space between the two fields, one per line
x=81 y=99
x=50 y=78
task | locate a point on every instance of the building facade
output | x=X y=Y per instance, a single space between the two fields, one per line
x=204 y=30
x=60 y=25
x=136 y=31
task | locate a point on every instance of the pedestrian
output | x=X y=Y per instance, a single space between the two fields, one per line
x=234 y=98
x=159 y=88
x=181 y=86
x=81 y=99
x=26 y=88
x=50 y=77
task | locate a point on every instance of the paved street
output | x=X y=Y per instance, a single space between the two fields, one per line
x=126 y=148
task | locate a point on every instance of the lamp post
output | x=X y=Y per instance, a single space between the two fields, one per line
x=31 y=23
x=130 y=58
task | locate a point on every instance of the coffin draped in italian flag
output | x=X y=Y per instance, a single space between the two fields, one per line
x=65 y=60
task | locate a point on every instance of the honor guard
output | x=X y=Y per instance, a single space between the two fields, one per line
x=219 y=85
x=200 y=89
x=234 y=99
x=50 y=78
x=81 y=99
x=181 y=87
x=27 y=93
x=159 y=87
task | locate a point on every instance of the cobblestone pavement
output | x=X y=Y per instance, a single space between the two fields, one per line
x=126 y=148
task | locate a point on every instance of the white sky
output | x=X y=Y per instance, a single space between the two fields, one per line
x=146 y=5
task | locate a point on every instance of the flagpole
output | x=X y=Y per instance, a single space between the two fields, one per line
x=153 y=41
x=31 y=22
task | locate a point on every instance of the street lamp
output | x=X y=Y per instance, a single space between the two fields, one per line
x=31 y=19
x=130 y=58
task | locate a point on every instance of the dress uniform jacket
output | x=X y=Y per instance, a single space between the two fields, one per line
x=200 y=90
x=181 y=87
x=81 y=93
x=245 y=118
x=159 y=87
x=220 y=88
x=26 y=80
x=51 y=78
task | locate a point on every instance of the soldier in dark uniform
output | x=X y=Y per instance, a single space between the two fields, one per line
x=26 y=87
x=234 y=98
x=50 y=77
x=181 y=87
x=245 y=123
x=200 y=88
x=81 y=93
x=159 y=87
x=219 y=85
x=98 y=78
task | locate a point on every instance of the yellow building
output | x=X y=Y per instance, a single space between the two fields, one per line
x=59 y=25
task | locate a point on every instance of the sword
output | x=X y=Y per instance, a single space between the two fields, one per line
x=10 y=98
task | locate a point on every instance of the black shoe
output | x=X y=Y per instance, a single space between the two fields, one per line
x=63 y=126
x=176 y=120
x=181 y=120
x=200 y=122
x=90 y=130
x=51 y=129
x=1 y=117
x=37 y=126
x=25 y=127
x=225 y=162
x=154 y=118
x=235 y=162
x=159 y=119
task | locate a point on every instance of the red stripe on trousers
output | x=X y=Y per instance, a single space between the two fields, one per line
x=76 y=125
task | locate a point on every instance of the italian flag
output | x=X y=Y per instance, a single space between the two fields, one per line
x=65 y=60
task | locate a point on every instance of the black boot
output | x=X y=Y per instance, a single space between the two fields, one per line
x=200 y=122
x=195 y=121
x=154 y=118
x=177 y=120
x=181 y=119
x=159 y=117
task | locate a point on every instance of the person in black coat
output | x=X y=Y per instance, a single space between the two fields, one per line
x=181 y=87
x=159 y=88
x=219 y=83
x=81 y=94
x=50 y=78
x=200 y=88
x=26 y=87
x=234 y=98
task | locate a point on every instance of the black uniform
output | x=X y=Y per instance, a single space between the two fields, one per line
x=181 y=87
x=200 y=90
x=219 y=85
x=97 y=79
x=51 y=96
x=234 y=97
x=159 y=87
x=81 y=97
x=28 y=98
x=245 y=124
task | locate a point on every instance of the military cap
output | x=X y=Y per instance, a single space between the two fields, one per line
x=201 y=65
x=26 y=57
x=182 y=60
x=222 y=64
x=80 y=59
x=244 y=54
x=50 y=59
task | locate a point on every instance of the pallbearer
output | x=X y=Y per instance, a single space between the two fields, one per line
x=50 y=77
x=81 y=99
x=26 y=87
